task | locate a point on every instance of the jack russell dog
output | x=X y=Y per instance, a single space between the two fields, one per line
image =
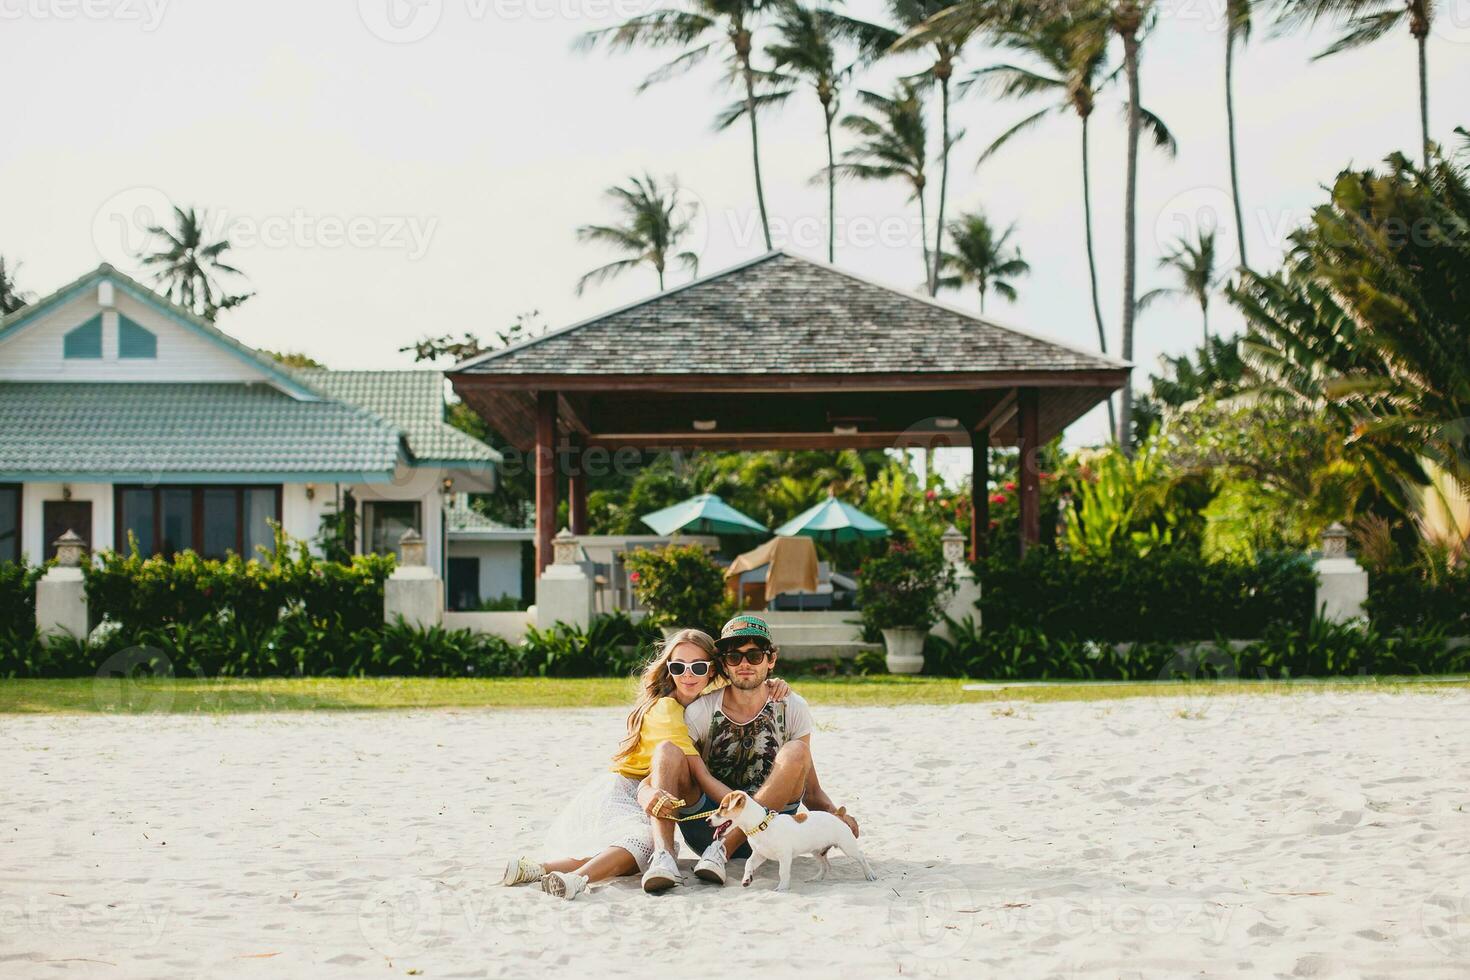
x=781 y=836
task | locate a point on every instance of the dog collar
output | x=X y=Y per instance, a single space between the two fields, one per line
x=765 y=822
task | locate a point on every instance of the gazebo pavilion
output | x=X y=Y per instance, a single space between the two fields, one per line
x=782 y=353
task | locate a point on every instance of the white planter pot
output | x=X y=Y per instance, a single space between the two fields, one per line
x=905 y=649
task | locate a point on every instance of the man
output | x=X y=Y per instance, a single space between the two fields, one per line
x=747 y=742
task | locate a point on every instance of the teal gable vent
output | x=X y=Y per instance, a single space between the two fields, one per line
x=84 y=342
x=134 y=341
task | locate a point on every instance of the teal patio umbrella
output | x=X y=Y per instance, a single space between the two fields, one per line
x=704 y=514
x=834 y=521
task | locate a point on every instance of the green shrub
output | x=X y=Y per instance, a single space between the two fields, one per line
x=1408 y=596
x=680 y=585
x=141 y=594
x=1319 y=649
x=299 y=646
x=18 y=596
x=1172 y=595
x=612 y=646
x=907 y=586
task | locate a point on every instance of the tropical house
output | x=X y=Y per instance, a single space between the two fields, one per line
x=126 y=418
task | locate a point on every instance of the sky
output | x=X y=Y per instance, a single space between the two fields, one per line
x=389 y=169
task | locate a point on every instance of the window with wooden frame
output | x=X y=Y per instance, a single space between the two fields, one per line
x=209 y=520
x=10 y=522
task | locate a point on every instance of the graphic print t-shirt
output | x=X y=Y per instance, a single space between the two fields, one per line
x=741 y=756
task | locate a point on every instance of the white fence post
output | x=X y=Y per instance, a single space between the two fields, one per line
x=967 y=587
x=565 y=593
x=1342 y=584
x=413 y=591
x=61 y=594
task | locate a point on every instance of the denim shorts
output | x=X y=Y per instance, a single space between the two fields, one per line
x=699 y=835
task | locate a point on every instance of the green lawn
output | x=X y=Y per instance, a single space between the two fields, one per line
x=225 y=695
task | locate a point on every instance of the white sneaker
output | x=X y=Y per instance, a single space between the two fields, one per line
x=711 y=866
x=522 y=871
x=564 y=884
x=662 y=873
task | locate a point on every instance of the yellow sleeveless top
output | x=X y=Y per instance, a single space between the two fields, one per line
x=664 y=722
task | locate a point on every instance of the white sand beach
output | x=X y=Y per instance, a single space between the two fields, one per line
x=1307 y=835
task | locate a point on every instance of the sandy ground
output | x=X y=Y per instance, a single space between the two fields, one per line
x=1309 y=835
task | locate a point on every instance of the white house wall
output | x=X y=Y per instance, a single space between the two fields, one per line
x=33 y=497
x=35 y=352
x=301 y=517
x=500 y=565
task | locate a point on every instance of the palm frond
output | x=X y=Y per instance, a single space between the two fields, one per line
x=1020 y=127
x=1162 y=138
x=683 y=64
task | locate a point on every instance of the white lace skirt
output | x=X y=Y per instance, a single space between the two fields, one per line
x=604 y=813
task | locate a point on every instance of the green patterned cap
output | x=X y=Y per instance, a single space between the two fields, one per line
x=745 y=627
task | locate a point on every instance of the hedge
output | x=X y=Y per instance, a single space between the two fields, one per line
x=295 y=646
x=146 y=594
x=1322 y=649
x=1169 y=596
x=1405 y=597
x=18 y=597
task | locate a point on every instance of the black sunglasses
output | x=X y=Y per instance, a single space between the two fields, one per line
x=733 y=658
x=699 y=668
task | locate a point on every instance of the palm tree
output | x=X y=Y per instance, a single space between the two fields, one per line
x=806 y=49
x=12 y=298
x=1237 y=28
x=919 y=28
x=187 y=265
x=981 y=258
x=1365 y=21
x=654 y=222
x=1366 y=325
x=1130 y=20
x=892 y=145
x=1071 y=47
x=691 y=26
x=1198 y=279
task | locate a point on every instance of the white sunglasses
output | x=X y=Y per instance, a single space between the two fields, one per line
x=699 y=668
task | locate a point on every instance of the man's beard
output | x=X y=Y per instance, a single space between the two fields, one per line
x=747 y=684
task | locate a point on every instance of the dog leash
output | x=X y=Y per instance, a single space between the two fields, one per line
x=675 y=802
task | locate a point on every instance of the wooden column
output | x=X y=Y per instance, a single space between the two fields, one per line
x=1027 y=410
x=979 y=495
x=545 y=470
x=577 y=487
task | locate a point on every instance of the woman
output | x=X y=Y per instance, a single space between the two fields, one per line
x=605 y=818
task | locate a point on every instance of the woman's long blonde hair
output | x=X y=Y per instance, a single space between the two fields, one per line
x=654 y=682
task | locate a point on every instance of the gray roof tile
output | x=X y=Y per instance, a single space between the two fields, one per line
x=781 y=314
x=410 y=400
x=163 y=429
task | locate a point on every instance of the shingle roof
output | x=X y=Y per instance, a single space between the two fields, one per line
x=158 y=431
x=410 y=400
x=463 y=520
x=781 y=314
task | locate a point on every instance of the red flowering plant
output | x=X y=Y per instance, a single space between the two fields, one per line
x=906 y=587
x=680 y=585
x=1005 y=498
